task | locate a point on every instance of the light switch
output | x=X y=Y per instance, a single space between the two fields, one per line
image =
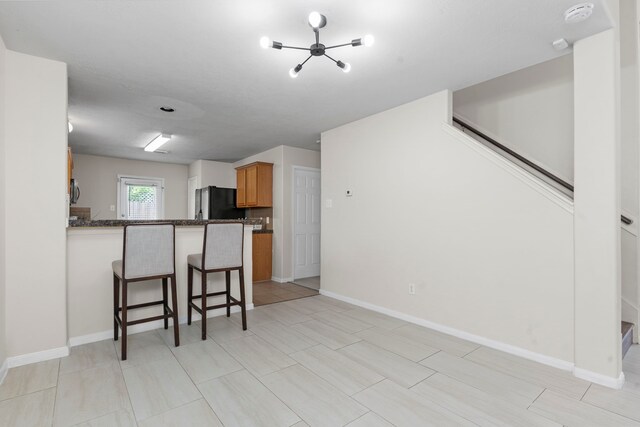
x=112 y=208
x=328 y=203
x=349 y=193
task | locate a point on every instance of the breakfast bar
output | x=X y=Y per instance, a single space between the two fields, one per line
x=93 y=245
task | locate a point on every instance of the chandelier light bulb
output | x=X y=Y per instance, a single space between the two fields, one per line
x=265 y=43
x=346 y=68
x=368 y=40
x=293 y=73
x=314 y=19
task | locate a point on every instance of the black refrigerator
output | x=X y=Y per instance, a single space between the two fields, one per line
x=217 y=203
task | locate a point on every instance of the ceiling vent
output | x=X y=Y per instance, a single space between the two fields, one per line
x=578 y=13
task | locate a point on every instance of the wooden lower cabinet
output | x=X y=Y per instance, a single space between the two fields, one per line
x=262 y=250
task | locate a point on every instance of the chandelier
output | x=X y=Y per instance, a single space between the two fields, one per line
x=317 y=21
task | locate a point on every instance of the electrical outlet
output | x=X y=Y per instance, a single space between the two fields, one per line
x=412 y=289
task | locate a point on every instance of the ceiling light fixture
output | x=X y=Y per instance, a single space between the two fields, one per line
x=157 y=142
x=317 y=21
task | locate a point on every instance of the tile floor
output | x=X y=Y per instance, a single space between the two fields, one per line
x=307 y=362
x=309 y=282
x=269 y=292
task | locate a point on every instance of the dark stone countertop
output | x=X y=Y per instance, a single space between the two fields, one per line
x=177 y=222
x=263 y=231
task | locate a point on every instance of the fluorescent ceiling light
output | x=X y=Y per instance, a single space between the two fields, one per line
x=157 y=142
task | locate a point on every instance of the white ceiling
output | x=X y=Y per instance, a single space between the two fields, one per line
x=234 y=99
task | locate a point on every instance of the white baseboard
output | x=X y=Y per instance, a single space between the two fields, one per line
x=144 y=327
x=507 y=348
x=584 y=374
x=281 y=279
x=39 y=356
x=3 y=370
x=596 y=378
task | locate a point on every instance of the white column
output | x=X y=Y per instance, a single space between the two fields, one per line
x=636 y=37
x=597 y=209
x=36 y=206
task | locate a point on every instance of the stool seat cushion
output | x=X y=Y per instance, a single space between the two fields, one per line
x=195 y=260
x=117 y=267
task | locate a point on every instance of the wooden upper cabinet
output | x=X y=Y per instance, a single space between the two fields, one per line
x=255 y=185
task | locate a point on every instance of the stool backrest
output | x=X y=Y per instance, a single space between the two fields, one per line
x=223 y=245
x=149 y=250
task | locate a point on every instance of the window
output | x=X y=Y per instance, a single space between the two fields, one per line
x=140 y=198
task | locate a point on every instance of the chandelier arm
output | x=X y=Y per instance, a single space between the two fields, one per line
x=330 y=58
x=295 y=47
x=317 y=31
x=305 y=61
x=338 y=45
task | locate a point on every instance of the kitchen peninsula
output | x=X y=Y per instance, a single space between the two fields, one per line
x=93 y=245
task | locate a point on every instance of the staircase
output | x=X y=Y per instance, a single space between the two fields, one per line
x=627 y=337
x=547 y=177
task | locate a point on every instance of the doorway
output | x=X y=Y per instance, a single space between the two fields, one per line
x=306 y=227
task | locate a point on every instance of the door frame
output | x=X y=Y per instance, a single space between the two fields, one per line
x=293 y=214
x=159 y=182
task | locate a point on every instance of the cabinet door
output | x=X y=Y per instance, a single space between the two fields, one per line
x=241 y=193
x=251 y=180
x=262 y=247
x=265 y=185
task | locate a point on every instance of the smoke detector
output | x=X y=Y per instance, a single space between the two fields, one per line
x=578 y=13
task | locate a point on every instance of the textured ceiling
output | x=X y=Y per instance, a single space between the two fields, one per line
x=233 y=99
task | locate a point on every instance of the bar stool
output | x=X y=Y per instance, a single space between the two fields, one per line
x=148 y=253
x=221 y=251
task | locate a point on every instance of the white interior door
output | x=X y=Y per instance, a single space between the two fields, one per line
x=306 y=232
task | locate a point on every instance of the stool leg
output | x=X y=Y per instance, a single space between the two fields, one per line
x=116 y=306
x=165 y=302
x=243 y=305
x=228 y=280
x=189 y=292
x=174 y=307
x=124 y=319
x=203 y=306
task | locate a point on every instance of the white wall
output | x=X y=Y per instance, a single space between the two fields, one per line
x=530 y=111
x=209 y=172
x=284 y=158
x=3 y=156
x=490 y=251
x=98 y=180
x=35 y=196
